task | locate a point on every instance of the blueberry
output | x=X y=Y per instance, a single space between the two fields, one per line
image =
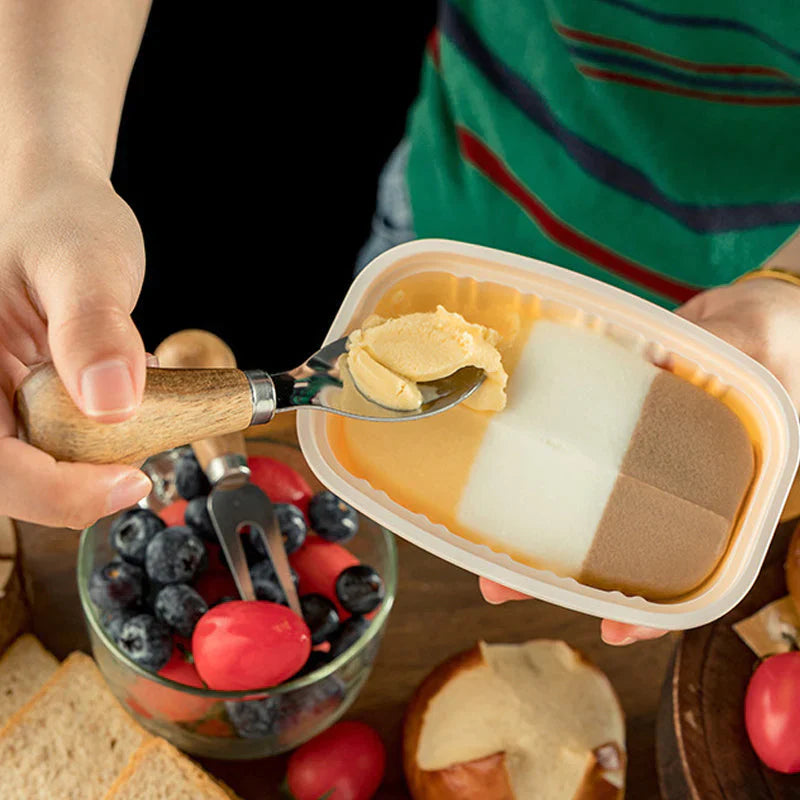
x=253 y=719
x=190 y=480
x=146 y=641
x=293 y=529
x=359 y=589
x=293 y=526
x=304 y=707
x=180 y=607
x=348 y=633
x=198 y=519
x=252 y=545
x=151 y=590
x=116 y=585
x=112 y=621
x=332 y=518
x=132 y=531
x=316 y=659
x=320 y=615
x=175 y=555
x=265 y=582
x=225 y=599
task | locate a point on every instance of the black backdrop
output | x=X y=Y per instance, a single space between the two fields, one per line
x=249 y=149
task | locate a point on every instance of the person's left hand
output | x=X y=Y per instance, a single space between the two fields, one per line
x=762 y=318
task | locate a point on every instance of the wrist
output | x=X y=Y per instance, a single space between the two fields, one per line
x=37 y=162
x=786 y=275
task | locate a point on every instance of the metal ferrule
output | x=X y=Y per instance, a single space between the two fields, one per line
x=229 y=469
x=262 y=391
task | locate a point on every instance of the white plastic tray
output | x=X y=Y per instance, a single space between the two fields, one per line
x=665 y=339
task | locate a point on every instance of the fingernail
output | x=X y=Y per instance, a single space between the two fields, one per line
x=151 y=360
x=623 y=642
x=492 y=601
x=127 y=490
x=107 y=388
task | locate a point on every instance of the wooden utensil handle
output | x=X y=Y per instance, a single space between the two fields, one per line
x=179 y=406
x=197 y=348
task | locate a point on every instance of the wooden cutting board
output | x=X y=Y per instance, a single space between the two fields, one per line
x=701 y=744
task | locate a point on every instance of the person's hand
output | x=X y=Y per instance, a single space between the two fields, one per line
x=760 y=317
x=71 y=268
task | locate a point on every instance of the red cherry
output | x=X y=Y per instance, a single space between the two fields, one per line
x=249 y=645
x=318 y=564
x=279 y=482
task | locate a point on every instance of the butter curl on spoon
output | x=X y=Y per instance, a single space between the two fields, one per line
x=388 y=359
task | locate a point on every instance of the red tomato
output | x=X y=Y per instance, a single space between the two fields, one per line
x=174 y=514
x=348 y=759
x=216 y=558
x=249 y=645
x=279 y=481
x=212 y=586
x=162 y=702
x=772 y=712
x=214 y=727
x=181 y=670
x=318 y=564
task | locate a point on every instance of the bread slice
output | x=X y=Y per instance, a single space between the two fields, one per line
x=14 y=612
x=158 y=771
x=70 y=740
x=8 y=539
x=24 y=668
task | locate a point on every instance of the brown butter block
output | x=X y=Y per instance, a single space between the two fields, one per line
x=653 y=544
x=690 y=444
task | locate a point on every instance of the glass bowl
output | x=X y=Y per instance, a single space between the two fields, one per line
x=260 y=722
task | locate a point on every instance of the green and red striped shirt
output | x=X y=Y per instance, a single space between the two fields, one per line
x=654 y=144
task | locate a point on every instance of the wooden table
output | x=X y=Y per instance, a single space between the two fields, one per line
x=438 y=612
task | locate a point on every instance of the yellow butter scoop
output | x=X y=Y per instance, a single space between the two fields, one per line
x=387 y=358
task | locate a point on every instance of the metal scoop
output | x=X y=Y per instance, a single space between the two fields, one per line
x=185 y=405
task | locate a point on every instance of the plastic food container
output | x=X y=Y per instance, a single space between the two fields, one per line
x=665 y=339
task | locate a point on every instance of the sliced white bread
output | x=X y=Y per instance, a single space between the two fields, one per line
x=14 y=614
x=158 y=771
x=24 y=668
x=70 y=740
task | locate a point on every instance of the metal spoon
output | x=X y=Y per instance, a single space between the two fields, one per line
x=185 y=405
x=320 y=383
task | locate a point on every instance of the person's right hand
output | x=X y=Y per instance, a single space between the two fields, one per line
x=71 y=268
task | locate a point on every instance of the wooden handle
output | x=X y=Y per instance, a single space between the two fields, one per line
x=198 y=348
x=179 y=406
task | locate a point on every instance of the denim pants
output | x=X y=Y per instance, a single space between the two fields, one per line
x=392 y=222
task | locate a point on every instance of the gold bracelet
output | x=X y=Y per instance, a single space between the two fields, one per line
x=771 y=272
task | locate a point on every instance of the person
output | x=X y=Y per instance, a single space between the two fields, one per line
x=653 y=149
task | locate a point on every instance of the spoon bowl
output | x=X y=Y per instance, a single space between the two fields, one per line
x=322 y=382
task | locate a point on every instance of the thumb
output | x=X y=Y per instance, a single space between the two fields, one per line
x=96 y=349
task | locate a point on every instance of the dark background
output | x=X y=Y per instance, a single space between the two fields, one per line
x=249 y=150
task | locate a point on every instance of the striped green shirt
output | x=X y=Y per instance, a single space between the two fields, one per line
x=654 y=144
